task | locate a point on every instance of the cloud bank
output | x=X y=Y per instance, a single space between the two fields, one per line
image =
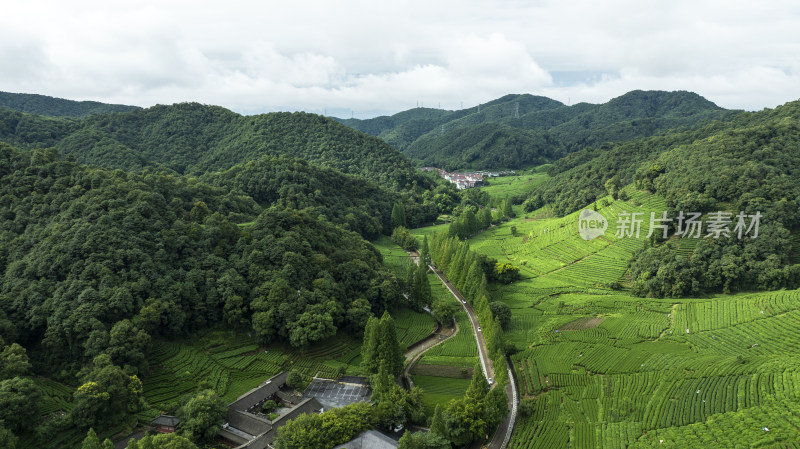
x=369 y=58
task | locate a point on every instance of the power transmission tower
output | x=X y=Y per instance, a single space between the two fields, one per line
x=479 y=108
x=516 y=110
x=442 y=129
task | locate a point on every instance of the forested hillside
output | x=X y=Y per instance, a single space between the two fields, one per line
x=544 y=130
x=749 y=165
x=87 y=252
x=190 y=138
x=57 y=107
x=185 y=218
x=351 y=201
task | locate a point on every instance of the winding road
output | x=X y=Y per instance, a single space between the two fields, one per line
x=486 y=362
x=503 y=434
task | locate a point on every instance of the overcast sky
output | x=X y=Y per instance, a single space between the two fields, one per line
x=378 y=57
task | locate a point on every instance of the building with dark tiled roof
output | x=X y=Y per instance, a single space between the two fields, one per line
x=166 y=423
x=371 y=439
x=247 y=428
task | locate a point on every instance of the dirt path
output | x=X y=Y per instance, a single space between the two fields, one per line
x=671 y=321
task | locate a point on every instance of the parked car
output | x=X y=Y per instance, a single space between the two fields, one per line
x=479 y=328
x=490 y=380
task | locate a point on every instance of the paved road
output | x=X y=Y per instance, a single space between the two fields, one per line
x=440 y=334
x=486 y=362
x=503 y=434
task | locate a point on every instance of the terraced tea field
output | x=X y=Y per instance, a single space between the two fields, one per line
x=411 y=326
x=439 y=390
x=552 y=250
x=508 y=186
x=394 y=258
x=232 y=365
x=605 y=369
x=459 y=350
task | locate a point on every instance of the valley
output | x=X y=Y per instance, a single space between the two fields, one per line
x=163 y=260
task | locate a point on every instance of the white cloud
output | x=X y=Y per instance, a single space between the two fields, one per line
x=385 y=56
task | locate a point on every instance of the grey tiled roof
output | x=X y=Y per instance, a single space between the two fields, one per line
x=166 y=420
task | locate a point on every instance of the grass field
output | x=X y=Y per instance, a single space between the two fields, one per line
x=507 y=186
x=605 y=369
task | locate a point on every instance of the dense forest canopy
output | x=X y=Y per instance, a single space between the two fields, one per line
x=57 y=107
x=294 y=159
x=351 y=201
x=96 y=259
x=187 y=217
x=191 y=138
x=518 y=131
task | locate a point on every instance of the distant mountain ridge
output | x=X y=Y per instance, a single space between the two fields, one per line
x=190 y=138
x=58 y=107
x=522 y=130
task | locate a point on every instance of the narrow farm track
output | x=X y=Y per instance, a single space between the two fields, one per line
x=416 y=351
x=438 y=337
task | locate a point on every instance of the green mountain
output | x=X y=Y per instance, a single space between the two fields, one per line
x=83 y=249
x=351 y=201
x=191 y=138
x=57 y=107
x=523 y=130
x=749 y=164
